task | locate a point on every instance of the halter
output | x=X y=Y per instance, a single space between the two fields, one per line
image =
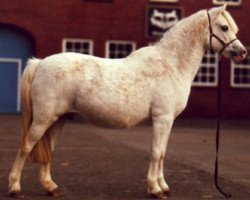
x=225 y=45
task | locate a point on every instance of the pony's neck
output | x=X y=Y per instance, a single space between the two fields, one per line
x=184 y=45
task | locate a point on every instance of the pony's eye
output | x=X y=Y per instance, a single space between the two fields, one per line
x=224 y=28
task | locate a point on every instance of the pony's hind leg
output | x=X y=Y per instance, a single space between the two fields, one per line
x=15 y=175
x=45 y=170
x=49 y=185
x=35 y=133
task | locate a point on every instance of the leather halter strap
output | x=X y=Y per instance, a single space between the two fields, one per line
x=224 y=44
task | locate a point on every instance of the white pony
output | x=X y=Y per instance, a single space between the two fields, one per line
x=152 y=82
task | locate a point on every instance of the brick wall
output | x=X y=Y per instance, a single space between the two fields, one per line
x=51 y=21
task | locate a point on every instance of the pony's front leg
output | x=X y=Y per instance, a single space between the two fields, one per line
x=161 y=180
x=157 y=186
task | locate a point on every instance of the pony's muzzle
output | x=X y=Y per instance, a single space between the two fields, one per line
x=238 y=53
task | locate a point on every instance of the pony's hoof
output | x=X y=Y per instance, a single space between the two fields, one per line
x=16 y=195
x=167 y=192
x=54 y=193
x=159 y=195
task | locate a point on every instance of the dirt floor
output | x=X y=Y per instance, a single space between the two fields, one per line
x=97 y=163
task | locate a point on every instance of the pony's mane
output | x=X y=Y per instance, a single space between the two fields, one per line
x=230 y=21
x=197 y=20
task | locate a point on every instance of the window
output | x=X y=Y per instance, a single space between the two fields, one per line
x=208 y=73
x=164 y=1
x=108 y=1
x=229 y=2
x=78 y=45
x=240 y=73
x=119 y=49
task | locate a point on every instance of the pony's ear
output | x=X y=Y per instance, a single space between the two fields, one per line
x=225 y=6
x=217 y=11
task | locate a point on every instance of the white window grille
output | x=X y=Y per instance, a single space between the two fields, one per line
x=77 y=45
x=119 y=49
x=240 y=73
x=228 y=2
x=164 y=1
x=207 y=75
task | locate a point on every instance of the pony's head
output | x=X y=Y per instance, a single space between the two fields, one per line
x=222 y=34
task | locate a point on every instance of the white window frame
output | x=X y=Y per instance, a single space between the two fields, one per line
x=19 y=74
x=108 y=42
x=233 y=67
x=165 y=1
x=74 y=40
x=209 y=65
x=216 y=2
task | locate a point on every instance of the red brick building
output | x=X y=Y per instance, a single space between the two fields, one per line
x=113 y=28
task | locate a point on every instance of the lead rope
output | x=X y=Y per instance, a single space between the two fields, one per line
x=216 y=169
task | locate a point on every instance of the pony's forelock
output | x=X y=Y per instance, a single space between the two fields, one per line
x=230 y=21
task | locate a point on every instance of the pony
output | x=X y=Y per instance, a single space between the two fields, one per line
x=152 y=82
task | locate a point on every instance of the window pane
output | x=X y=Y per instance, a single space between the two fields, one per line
x=119 y=49
x=240 y=76
x=207 y=74
x=78 y=45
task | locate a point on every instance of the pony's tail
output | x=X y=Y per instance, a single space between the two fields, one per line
x=41 y=152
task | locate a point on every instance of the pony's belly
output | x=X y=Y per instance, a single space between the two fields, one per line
x=114 y=119
x=113 y=123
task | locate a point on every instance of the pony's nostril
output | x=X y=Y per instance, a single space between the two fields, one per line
x=244 y=52
x=233 y=53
